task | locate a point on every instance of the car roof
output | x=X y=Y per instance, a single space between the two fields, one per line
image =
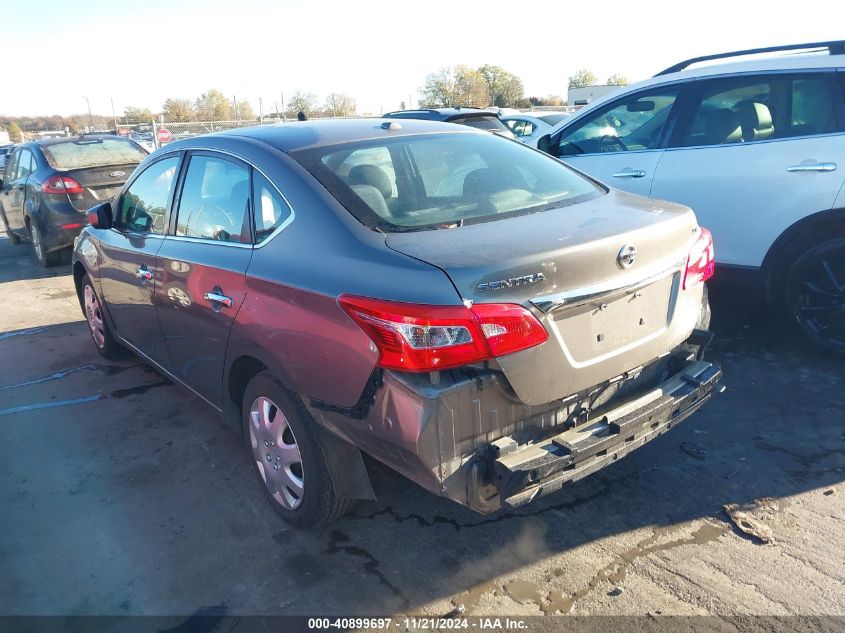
x=296 y=135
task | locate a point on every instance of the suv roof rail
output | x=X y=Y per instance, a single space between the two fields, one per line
x=836 y=47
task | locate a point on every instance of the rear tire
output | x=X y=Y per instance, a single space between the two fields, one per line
x=283 y=442
x=44 y=258
x=98 y=325
x=815 y=295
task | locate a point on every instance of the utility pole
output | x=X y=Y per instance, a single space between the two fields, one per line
x=90 y=118
x=284 y=116
x=260 y=109
x=113 y=115
x=235 y=101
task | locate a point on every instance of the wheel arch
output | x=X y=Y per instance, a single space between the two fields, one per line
x=795 y=240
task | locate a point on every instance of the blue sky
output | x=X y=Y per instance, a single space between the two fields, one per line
x=140 y=53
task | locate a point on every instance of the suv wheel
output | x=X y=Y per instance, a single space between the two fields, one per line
x=815 y=295
x=44 y=258
x=101 y=333
x=285 y=447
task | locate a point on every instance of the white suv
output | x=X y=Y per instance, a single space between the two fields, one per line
x=757 y=149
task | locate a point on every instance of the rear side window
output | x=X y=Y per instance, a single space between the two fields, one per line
x=26 y=164
x=143 y=208
x=446 y=180
x=758 y=108
x=521 y=127
x=214 y=203
x=271 y=211
x=81 y=154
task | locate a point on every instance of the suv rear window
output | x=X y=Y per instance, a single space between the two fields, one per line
x=81 y=154
x=442 y=180
x=483 y=122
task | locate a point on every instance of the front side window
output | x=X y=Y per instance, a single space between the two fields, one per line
x=633 y=123
x=143 y=208
x=757 y=108
x=271 y=211
x=214 y=204
x=447 y=180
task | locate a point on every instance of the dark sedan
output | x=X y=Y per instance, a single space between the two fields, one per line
x=470 y=311
x=49 y=184
x=473 y=117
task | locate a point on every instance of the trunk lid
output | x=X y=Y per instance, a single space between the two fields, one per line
x=603 y=319
x=101 y=184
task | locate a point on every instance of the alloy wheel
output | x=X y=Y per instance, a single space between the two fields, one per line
x=276 y=453
x=820 y=301
x=36 y=242
x=94 y=316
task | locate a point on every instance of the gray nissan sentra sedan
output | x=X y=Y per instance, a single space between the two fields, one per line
x=473 y=313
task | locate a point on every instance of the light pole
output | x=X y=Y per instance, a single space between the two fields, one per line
x=90 y=118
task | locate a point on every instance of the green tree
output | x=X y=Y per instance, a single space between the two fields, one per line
x=506 y=89
x=617 y=79
x=177 y=110
x=302 y=102
x=583 y=78
x=340 y=104
x=213 y=106
x=459 y=86
x=245 y=111
x=137 y=115
x=15 y=132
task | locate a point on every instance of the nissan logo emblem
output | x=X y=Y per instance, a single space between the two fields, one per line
x=627 y=256
x=117 y=174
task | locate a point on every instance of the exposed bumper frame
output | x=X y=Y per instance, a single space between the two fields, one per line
x=523 y=474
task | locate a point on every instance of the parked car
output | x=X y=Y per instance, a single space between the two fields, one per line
x=757 y=148
x=5 y=151
x=145 y=140
x=50 y=184
x=473 y=117
x=492 y=341
x=528 y=127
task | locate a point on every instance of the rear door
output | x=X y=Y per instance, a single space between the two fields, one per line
x=130 y=271
x=203 y=265
x=759 y=153
x=621 y=143
x=14 y=189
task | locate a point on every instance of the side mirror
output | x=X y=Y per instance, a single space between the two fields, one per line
x=100 y=216
x=544 y=143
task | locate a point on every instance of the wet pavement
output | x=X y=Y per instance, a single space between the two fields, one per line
x=123 y=494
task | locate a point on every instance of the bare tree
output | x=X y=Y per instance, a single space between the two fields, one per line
x=583 y=78
x=137 y=115
x=214 y=106
x=617 y=79
x=461 y=86
x=505 y=88
x=177 y=110
x=302 y=102
x=340 y=104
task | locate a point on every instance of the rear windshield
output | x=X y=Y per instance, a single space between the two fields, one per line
x=484 y=122
x=552 y=119
x=442 y=180
x=92 y=153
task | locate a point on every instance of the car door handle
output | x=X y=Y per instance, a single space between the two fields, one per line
x=143 y=273
x=812 y=167
x=629 y=173
x=216 y=297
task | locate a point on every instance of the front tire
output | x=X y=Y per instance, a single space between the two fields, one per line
x=98 y=326
x=39 y=248
x=284 y=443
x=14 y=238
x=815 y=295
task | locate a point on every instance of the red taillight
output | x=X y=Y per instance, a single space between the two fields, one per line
x=701 y=262
x=72 y=225
x=422 y=338
x=61 y=184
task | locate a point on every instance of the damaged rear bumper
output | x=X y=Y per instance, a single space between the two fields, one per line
x=521 y=474
x=465 y=435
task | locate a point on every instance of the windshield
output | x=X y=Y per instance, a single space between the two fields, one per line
x=81 y=154
x=442 y=180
